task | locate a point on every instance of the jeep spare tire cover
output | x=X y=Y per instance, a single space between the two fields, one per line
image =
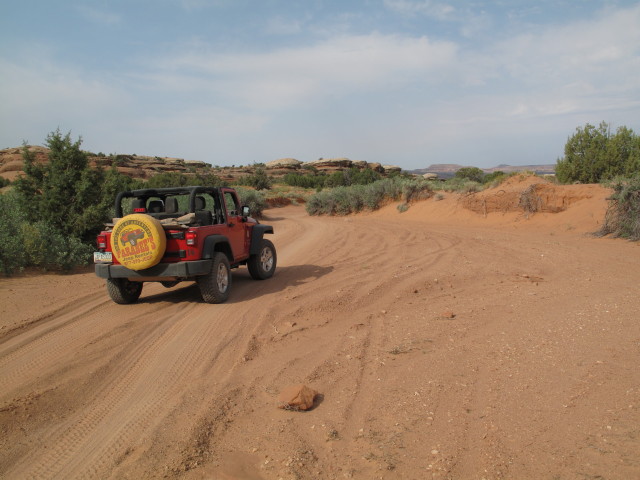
x=138 y=241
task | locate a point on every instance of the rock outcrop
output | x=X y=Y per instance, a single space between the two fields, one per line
x=145 y=167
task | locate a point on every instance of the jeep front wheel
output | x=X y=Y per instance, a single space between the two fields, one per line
x=122 y=291
x=215 y=286
x=262 y=265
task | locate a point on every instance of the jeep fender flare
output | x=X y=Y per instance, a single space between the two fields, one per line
x=257 y=233
x=216 y=243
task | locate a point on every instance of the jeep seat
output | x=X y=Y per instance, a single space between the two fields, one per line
x=171 y=205
x=155 y=206
x=203 y=217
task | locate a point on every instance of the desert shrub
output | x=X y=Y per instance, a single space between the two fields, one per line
x=343 y=178
x=402 y=207
x=38 y=244
x=50 y=218
x=321 y=203
x=355 y=176
x=375 y=194
x=45 y=247
x=593 y=154
x=304 y=181
x=345 y=200
x=461 y=185
x=66 y=192
x=167 y=179
x=177 y=179
x=494 y=179
x=208 y=180
x=416 y=190
x=623 y=214
x=470 y=173
x=12 y=216
x=254 y=200
x=259 y=180
x=529 y=200
x=4 y=182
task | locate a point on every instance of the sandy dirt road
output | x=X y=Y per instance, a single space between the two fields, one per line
x=466 y=349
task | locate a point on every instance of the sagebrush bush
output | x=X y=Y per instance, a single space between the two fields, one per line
x=461 y=185
x=252 y=199
x=343 y=178
x=623 y=214
x=345 y=200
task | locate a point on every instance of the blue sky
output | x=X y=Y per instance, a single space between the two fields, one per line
x=401 y=82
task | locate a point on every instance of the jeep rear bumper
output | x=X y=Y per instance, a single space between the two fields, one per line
x=178 y=269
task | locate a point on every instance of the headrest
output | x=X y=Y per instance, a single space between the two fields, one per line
x=155 y=206
x=171 y=205
x=200 y=203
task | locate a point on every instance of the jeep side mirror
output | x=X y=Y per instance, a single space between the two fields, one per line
x=245 y=211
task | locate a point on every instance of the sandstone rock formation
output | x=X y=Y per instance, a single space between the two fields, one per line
x=144 y=167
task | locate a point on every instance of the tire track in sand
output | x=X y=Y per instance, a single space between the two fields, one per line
x=90 y=440
x=42 y=346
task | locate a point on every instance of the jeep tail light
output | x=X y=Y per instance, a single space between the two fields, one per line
x=102 y=241
x=191 y=237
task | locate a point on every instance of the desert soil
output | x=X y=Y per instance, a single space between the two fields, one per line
x=443 y=343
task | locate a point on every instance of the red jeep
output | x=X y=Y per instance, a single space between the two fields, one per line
x=187 y=234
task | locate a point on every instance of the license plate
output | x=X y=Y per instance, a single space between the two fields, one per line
x=102 y=257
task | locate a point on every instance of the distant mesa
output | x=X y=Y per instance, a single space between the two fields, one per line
x=448 y=170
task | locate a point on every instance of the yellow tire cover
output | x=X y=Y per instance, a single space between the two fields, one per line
x=138 y=241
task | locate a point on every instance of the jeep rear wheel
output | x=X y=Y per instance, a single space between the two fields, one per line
x=215 y=286
x=262 y=265
x=122 y=291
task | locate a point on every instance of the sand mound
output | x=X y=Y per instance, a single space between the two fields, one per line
x=522 y=201
x=528 y=195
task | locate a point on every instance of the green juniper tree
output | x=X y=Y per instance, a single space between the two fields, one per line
x=593 y=154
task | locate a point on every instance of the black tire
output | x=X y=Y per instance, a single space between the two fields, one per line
x=122 y=291
x=262 y=265
x=216 y=285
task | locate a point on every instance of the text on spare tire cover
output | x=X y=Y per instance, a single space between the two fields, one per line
x=134 y=242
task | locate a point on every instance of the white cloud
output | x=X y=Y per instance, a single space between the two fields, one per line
x=333 y=68
x=281 y=25
x=605 y=49
x=194 y=5
x=99 y=16
x=38 y=96
x=580 y=67
x=379 y=97
x=438 y=10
